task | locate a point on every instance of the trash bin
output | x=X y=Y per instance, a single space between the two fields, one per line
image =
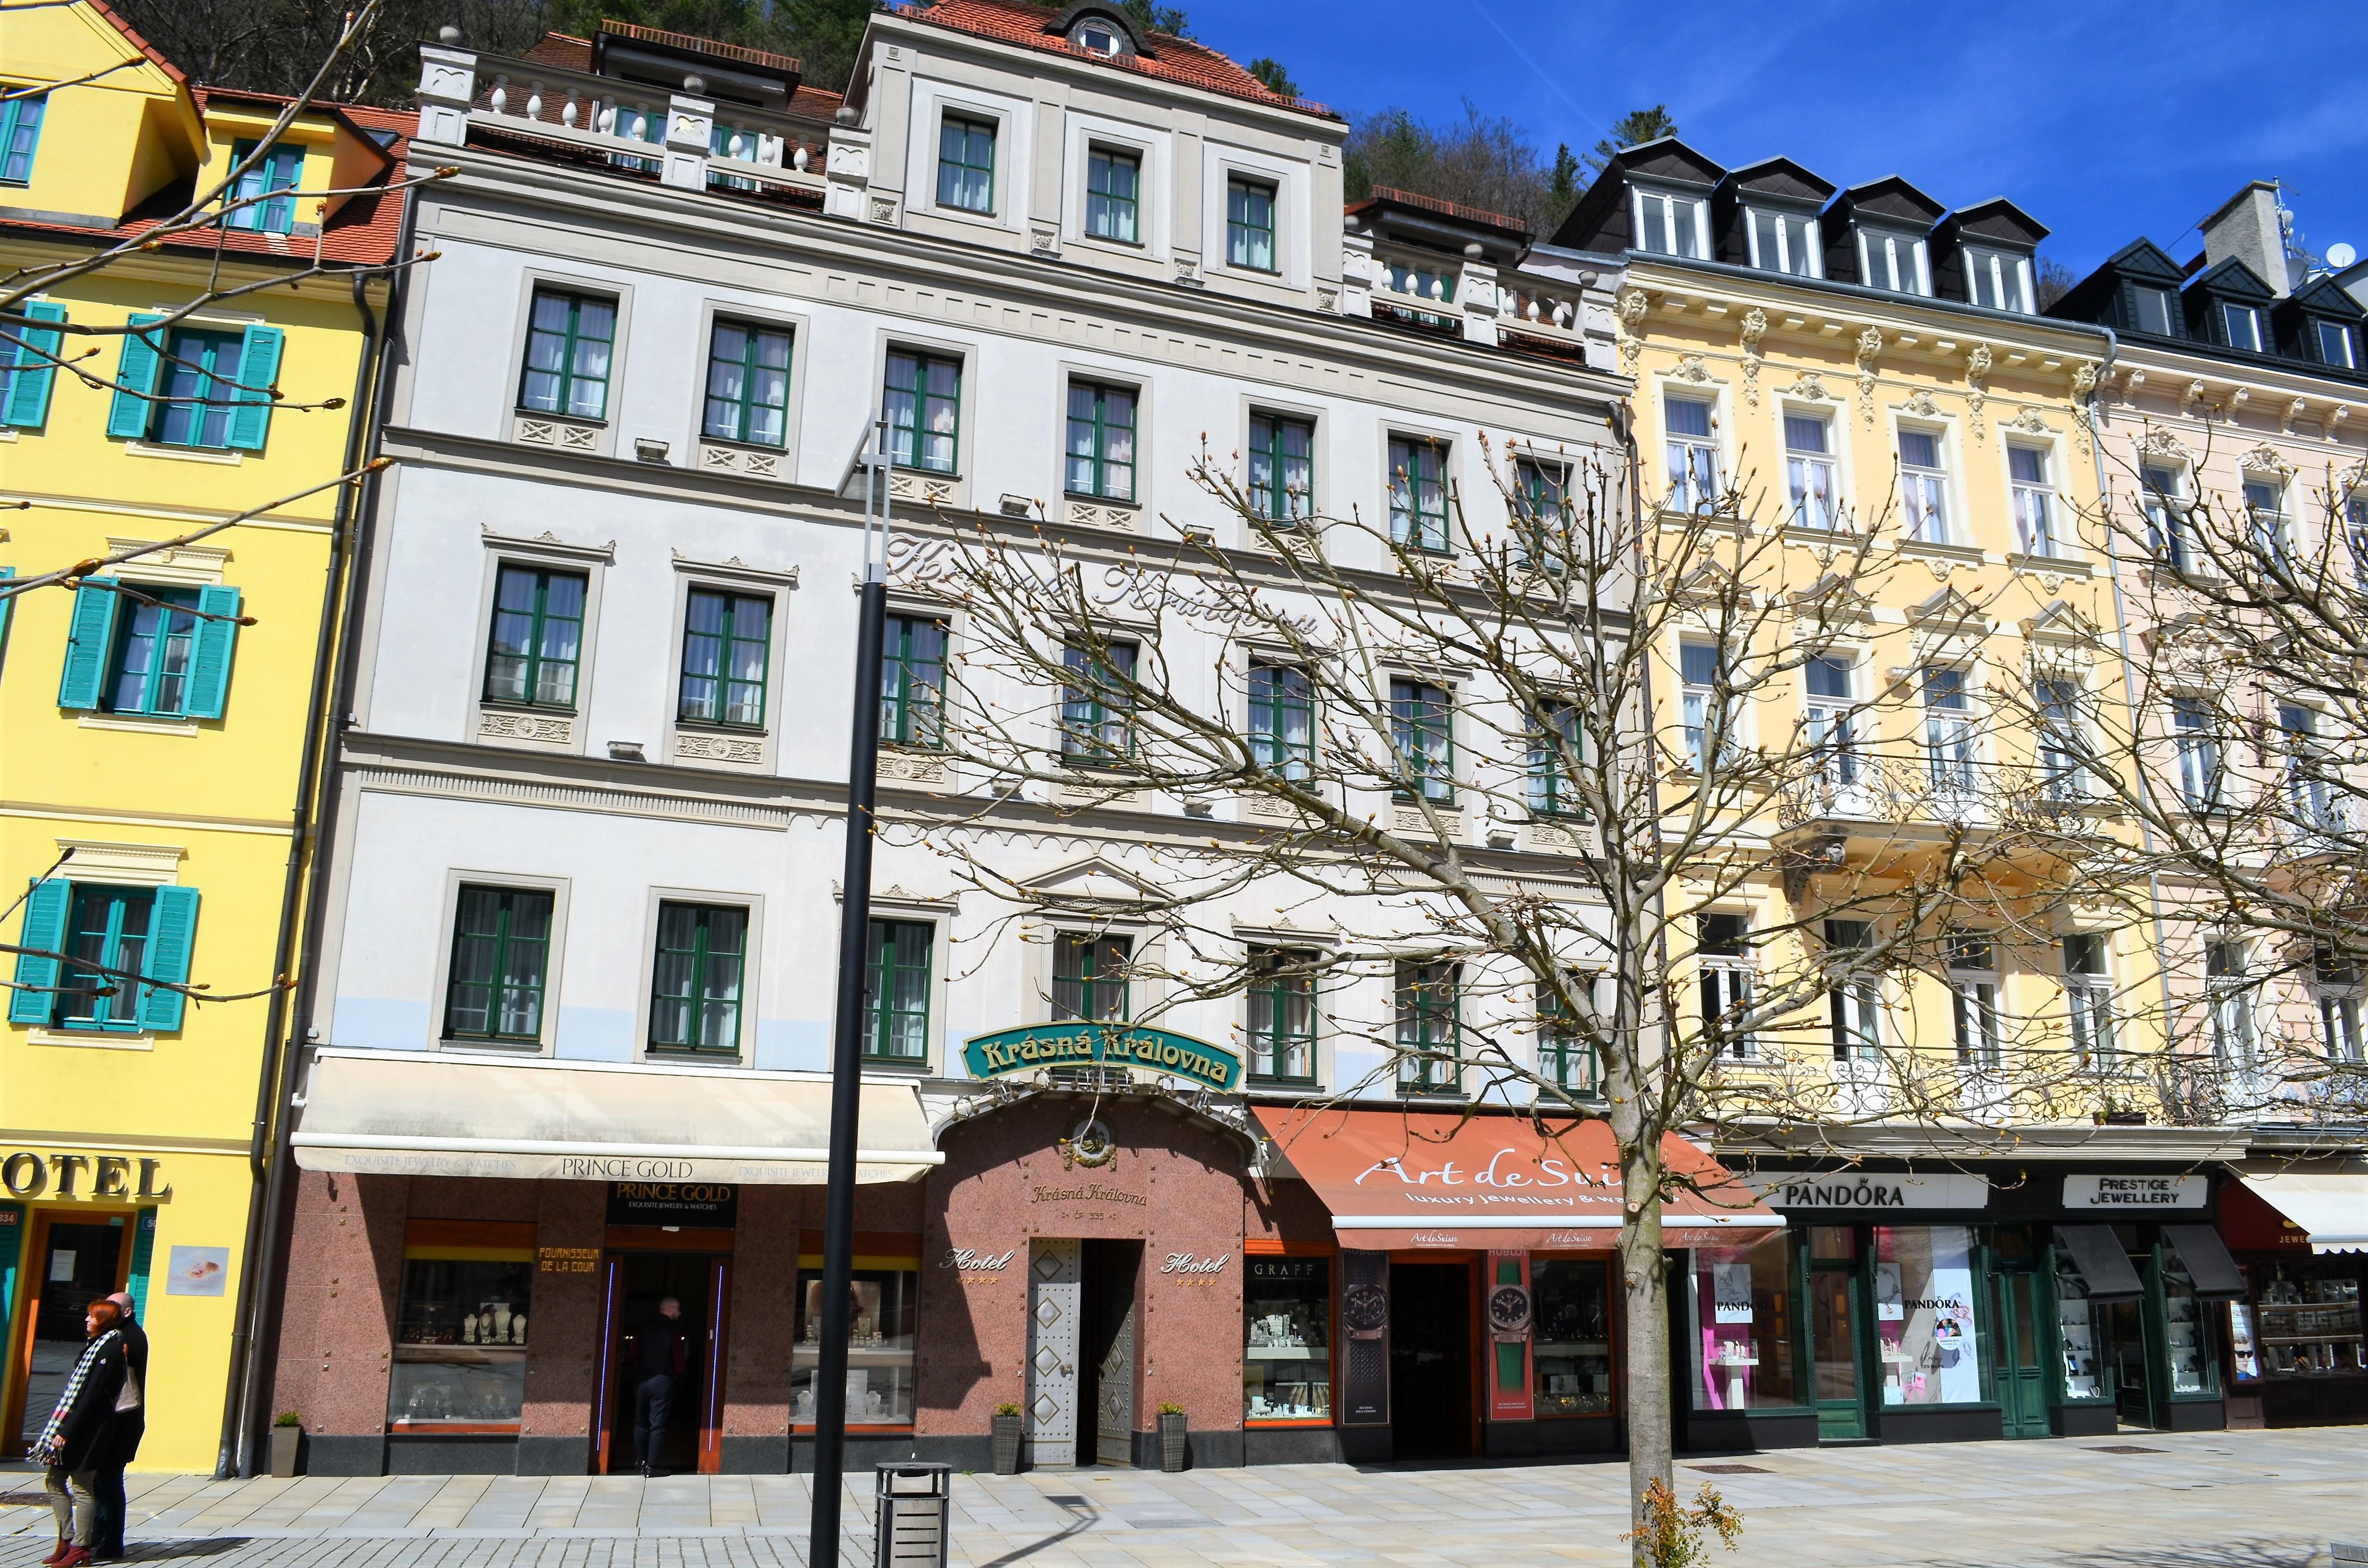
x=915 y=1514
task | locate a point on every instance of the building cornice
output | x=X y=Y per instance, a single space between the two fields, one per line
x=2049 y=1143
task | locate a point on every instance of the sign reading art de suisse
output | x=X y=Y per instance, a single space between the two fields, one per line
x=709 y=1203
x=1007 y=1051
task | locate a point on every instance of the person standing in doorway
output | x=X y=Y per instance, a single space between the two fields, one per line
x=130 y=1425
x=659 y=1354
x=78 y=1436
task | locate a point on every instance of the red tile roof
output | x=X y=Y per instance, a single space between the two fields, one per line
x=141 y=44
x=787 y=65
x=1176 y=59
x=570 y=54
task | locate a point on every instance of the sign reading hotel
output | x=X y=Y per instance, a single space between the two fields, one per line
x=1008 y=1051
x=2135 y=1191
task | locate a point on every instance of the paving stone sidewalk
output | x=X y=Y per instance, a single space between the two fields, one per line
x=2201 y=1500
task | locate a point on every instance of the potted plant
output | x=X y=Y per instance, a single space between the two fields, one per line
x=1006 y=1438
x=1171 y=1436
x=287 y=1442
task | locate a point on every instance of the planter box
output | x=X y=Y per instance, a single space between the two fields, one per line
x=1006 y=1440
x=287 y=1450
x=1171 y=1444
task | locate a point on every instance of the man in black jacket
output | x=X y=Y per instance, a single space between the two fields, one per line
x=78 y=1436
x=130 y=1425
x=658 y=1356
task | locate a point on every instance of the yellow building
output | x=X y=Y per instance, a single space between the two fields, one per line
x=160 y=732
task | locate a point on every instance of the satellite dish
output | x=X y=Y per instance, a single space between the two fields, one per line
x=2340 y=255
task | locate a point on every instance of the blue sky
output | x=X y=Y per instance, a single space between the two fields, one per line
x=2103 y=120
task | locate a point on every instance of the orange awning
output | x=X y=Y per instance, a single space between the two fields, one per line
x=1397 y=1180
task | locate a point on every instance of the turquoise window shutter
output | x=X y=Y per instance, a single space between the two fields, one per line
x=144 y=1250
x=209 y=666
x=170 y=932
x=90 y=643
x=12 y=1246
x=29 y=389
x=135 y=378
x=6 y=606
x=45 y=927
x=258 y=367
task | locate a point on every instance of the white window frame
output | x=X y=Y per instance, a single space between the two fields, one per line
x=2235 y=1030
x=2169 y=519
x=2062 y=776
x=1783 y=259
x=2089 y=1004
x=1973 y=990
x=1952 y=743
x=2035 y=506
x=2197 y=762
x=2252 y=316
x=1920 y=280
x=1693 y=500
x=1924 y=492
x=1829 y=722
x=1695 y=704
x=546 y=1042
x=1803 y=470
x=1734 y=977
x=2350 y=360
x=2311 y=801
x=1671 y=199
x=1997 y=268
x=2138 y=292
x=2269 y=531
x=1853 y=1015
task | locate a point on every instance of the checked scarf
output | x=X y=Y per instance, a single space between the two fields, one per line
x=46 y=1448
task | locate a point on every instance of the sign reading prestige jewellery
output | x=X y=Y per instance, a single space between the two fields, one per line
x=1007 y=1051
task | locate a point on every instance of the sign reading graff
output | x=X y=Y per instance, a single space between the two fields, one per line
x=1007 y=1051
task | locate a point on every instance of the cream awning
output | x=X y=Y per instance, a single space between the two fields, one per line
x=382 y=1113
x=2333 y=1208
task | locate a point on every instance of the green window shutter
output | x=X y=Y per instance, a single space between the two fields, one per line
x=45 y=927
x=144 y=1252
x=135 y=376
x=29 y=393
x=5 y=606
x=90 y=643
x=170 y=930
x=12 y=1244
x=258 y=367
x=210 y=665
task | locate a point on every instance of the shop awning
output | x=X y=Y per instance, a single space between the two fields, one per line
x=1425 y=1179
x=2216 y=1274
x=378 y=1112
x=2332 y=1207
x=2103 y=1266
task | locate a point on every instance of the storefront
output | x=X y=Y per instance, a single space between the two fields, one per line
x=2297 y=1355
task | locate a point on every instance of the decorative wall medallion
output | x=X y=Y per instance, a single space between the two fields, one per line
x=549 y=729
x=1755 y=326
x=2159 y=442
x=1090 y=1143
x=1327 y=297
x=884 y=209
x=1870 y=344
x=739 y=749
x=908 y=486
x=915 y=767
x=1920 y=403
x=1807 y=384
x=1264 y=805
x=1977 y=368
x=2266 y=459
x=1691 y=368
x=1627 y=328
x=2027 y=422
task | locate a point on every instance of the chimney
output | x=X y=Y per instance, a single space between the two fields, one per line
x=2247 y=227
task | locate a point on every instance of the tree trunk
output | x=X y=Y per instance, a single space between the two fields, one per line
x=1645 y=1287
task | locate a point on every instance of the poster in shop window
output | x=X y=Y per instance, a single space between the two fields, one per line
x=1731 y=1288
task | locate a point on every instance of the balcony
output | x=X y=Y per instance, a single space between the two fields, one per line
x=1860 y=807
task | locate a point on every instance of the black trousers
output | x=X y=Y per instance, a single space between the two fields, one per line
x=653 y=1407
x=108 y=1485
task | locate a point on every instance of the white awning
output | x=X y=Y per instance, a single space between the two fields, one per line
x=2332 y=1207
x=382 y=1113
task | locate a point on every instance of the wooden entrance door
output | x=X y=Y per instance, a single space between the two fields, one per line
x=1052 y=1323
x=2021 y=1373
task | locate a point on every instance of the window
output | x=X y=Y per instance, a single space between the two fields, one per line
x=1924 y=486
x=695 y=987
x=1888 y=259
x=2061 y=775
x=2264 y=507
x=1097 y=710
x=2154 y=315
x=267 y=186
x=1670 y=225
x=1112 y=181
x=28 y=367
x=460 y=1320
x=2241 y=325
x=1545 y=525
x=1784 y=242
x=1558 y=744
x=913 y=681
x=1809 y=471
x=1101 y=441
x=501 y=952
x=1853 y=1000
x=1095 y=38
x=2336 y=345
x=2355 y=524
x=2166 y=518
x=1418 y=493
x=538 y=637
x=1973 y=1000
x=1283 y=721
x=1249 y=224
x=1948 y=730
x=2034 y=501
x=1282 y=486
x=2195 y=738
x=1830 y=719
x=109 y=929
x=923 y=404
x=195 y=387
x=146 y=931
x=2089 y=1000
x=1723 y=943
x=966 y=164
x=1429 y=1039
x=637 y=123
x=883 y=1310
x=20 y=132
x=154 y=651
x=1282 y=1015
x=896 y=990
x=1566 y=1057
x=568 y=341
x=1287 y=1337
x=2230 y=996
x=1927 y=1330
x=1692 y=456
x=1707 y=712
x=2337 y=984
x=1994 y=279
x=1090 y=977
x=727 y=643
x=1422 y=718
x=1746 y=1311
x=747 y=384
x=201 y=383
x=2310 y=796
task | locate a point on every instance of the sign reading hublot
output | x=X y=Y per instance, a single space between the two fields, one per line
x=1080 y=1044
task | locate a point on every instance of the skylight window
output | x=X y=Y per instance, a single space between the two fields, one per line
x=1096 y=37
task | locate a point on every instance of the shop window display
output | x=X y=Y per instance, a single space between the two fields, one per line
x=878 y=1350
x=460 y=1344
x=1742 y=1305
x=1572 y=1335
x=2184 y=1335
x=2305 y=1323
x=1925 y=1326
x=1287 y=1340
x=2086 y=1371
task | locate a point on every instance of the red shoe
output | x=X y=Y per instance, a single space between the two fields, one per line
x=75 y=1557
x=65 y=1544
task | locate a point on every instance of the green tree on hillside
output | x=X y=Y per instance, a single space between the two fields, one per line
x=1633 y=129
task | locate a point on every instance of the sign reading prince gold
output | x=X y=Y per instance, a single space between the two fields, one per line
x=1007 y=1051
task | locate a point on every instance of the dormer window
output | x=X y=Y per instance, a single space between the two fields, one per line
x=1784 y=242
x=2242 y=326
x=2337 y=347
x=1890 y=260
x=1668 y=224
x=2153 y=310
x=1997 y=279
x=1096 y=37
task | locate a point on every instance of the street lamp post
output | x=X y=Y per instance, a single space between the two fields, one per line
x=847 y=1044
